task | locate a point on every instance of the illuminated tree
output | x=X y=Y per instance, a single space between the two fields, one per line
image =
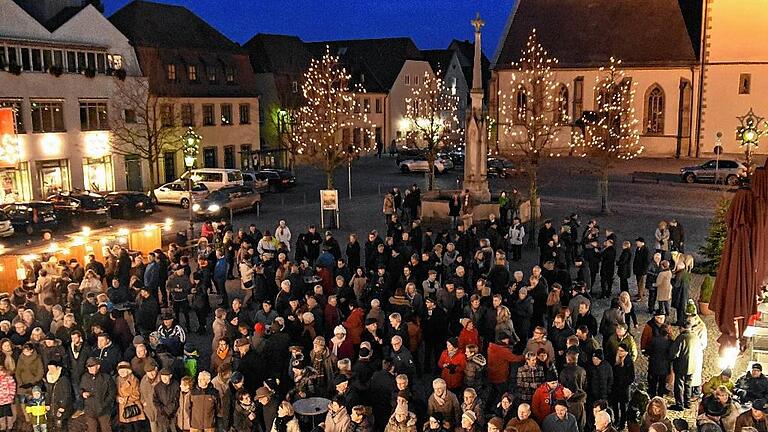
x=331 y=106
x=140 y=127
x=532 y=115
x=431 y=116
x=610 y=133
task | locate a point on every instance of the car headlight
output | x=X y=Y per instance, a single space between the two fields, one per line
x=213 y=208
x=195 y=207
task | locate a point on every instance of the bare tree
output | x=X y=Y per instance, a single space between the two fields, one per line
x=533 y=116
x=141 y=127
x=610 y=133
x=331 y=106
x=431 y=115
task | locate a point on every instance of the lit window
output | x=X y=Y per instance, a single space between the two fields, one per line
x=521 y=107
x=226 y=114
x=562 y=104
x=170 y=72
x=115 y=61
x=654 y=111
x=93 y=116
x=192 y=73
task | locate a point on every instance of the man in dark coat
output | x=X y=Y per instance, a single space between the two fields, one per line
x=98 y=391
x=166 y=400
x=108 y=354
x=434 y=334
x=607 y=268
x=753 y=385
x=545 y=236
x=312 y=241
x=146 y=313
x=77 y=355
x=592 y=260
x=624 y=266
x=683 y=364
x=599 y=377
x=59 y=389
x=249 y=364
x=583 y=274
x=383 y=385
x=640 y=265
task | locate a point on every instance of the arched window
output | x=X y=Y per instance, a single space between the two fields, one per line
x=562 y=104
x=521 y=106
x=654 y=110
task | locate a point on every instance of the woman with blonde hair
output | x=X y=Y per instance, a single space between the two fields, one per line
x=286 y=420
x=628 y=309
x=504 y=323
x=662 y=238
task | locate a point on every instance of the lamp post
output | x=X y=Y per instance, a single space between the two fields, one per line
x=748 y=134
x=191 y=141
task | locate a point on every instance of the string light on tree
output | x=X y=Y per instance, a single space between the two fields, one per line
x=611 y=132
x=431 y=119
x=331 y=104
x=532 y=117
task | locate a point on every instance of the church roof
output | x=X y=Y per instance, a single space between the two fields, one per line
x=586 y=33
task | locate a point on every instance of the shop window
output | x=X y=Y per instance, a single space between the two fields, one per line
x=15 y=184
x=47 y=117
x=97 y=174
x=53 y=176
x=15 y=105
x=245 y=157
x=93 y=116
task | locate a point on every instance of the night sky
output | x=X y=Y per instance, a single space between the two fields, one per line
x=430 y=23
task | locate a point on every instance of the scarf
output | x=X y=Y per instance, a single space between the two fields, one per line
x=440 y=399
x=337 y=343
x=222 y=353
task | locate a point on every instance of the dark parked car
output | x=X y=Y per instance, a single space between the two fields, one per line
x=80 y=208
x=129 y=204
x=227 y=201
x=31 y=217
x=278 y=179
x=501 y=168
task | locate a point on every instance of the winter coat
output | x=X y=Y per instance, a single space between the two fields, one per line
x=664 y=286
x=623 y=377
x=500 y=357
x=110 y=356
x=452 y=368
x=600 y=381
x=165 y=398
x=205 y=406
x=553 y=424
x=184 y=412
x=698 y=329
x=680 y=352
x=624 y=264
x=29 y=370
x=7 y=389
x=450 y=409
x=147 y=392
x=337 y=422
x=128 y=390
x=59 y=389
x=649 y=419
x=291 y=426
x=640 y=261
x=146 y=314
x=102 y=394
x=544 y=398
x=745 y=419
x=408 y=426
x=474 y=372
x=658 y=355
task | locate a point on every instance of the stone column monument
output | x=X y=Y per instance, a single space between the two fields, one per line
x=476 y=150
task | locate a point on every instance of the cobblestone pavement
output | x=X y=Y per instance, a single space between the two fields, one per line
x=637 y=208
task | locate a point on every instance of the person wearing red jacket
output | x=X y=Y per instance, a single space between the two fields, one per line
x=469 y=334
x=452 y=363
x=500 y=357
x=544 y=398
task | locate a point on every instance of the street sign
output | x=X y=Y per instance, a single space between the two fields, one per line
x=718 y=150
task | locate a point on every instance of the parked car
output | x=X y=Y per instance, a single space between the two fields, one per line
x=277 y=179
x=129 y=204
x=405 y=154
x=215 y=178
x=226 y=202
x=258 y=184
x=6 y=228
x=176 y=193
x=728 y=170
x=79 y=208
x=501 y=168
x=421 y=165
x=31 y=217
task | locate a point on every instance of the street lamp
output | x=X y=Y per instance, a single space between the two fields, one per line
x=191 y=141
x=748 y=134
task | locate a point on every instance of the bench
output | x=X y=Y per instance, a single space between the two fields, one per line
x=644 y=176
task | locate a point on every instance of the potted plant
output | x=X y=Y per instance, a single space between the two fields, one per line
x=705 y=295
x=56 y=70
x=14 y=69
x=120 y=74
x=90 y=72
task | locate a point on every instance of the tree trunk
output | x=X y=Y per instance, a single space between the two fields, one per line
x=431 y=176
x=602 y=187
x=533 y=194
x=329 y=178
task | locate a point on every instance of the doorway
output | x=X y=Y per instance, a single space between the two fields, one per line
x=169 y=166
x=133 y=173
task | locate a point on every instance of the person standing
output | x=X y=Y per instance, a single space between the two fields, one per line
x=205 y=405
x=682 y=366
x=654 y=268
x=640 y=266
x=98 y=391
x=130 y=411
x=454 y=209
x=623 y=377
x=515 y=238
x=664 y=287
x=624 y=266
x=676 y=236
x=607 y=268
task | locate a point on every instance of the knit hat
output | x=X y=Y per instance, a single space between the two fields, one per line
x=236 y=378
x=259 y=328
x=454 y=341
x=469 y=415
x=369 y=321
x=92 y=361
x=150 y=366
x=166 y=371
x=550 y=376
x=598 y=354
x=138 y=340
x=340 y=379
x=123 y=365
x=339 y=329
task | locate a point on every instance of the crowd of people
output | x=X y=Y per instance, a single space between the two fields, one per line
x=407 y=330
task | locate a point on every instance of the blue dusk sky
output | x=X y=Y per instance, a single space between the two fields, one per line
x=430 y=23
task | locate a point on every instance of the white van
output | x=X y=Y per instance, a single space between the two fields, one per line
x=215 y=178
